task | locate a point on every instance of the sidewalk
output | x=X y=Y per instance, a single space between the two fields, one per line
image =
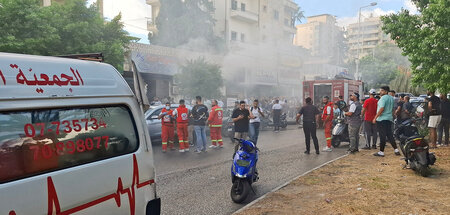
x=363 y=184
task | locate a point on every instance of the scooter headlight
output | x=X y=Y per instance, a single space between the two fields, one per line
x=241 y=176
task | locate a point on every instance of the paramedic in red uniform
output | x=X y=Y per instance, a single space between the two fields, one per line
x=182 y=113
x=167 y=127
x=327 y=118
x=215 y=124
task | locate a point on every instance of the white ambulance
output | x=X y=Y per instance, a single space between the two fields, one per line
x=73 y=140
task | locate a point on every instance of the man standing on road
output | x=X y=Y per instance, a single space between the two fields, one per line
x=407 y=109
x=384 y=120
x=399 y=109
x=241 y=123
x=276 y=113
x=434 y=105
x=327 y=117
x=369 y=111
x=199 y=114
x=445 y=121
x=167 y=130
x=255 y=120
x=354 y=122
x=215 y=124
x=182 y=116
x=310 y=117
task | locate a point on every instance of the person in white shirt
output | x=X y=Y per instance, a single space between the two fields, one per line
x=276 y=113
x=256 y=113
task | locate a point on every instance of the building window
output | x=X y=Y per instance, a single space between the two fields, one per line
x=276 y=15
x=233 y=4
x=242 y=37
x=265 y=8
x=233 y=35
x=242 y=7
x=286 y=22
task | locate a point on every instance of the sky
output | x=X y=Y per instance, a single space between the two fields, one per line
x=135 y=13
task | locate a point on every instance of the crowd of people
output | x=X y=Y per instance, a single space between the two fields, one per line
x=246 y=118
x=375 y=116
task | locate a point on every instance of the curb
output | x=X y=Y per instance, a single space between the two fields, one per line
x=285 y=184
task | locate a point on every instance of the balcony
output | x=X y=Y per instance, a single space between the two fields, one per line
x=290 y=29
x=244 y=15
x=290 y=4
x=153 y=2
x=151 y=26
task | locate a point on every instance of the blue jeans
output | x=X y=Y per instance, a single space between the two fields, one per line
x=253 y=131
x=201 y=137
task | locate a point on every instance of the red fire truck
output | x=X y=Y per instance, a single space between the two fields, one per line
x=317 y=89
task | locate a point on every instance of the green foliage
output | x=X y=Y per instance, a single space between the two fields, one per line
x=425 y=39
x=200 y=78
x=60 y=29
x=402 y=83
x=381 y=67
x=179 y=22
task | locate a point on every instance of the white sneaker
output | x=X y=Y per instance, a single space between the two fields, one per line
x=186 y=150
x=212 y=146
x=326 y=149
x=181 y=150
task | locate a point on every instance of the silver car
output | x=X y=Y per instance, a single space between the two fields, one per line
x=154 y=124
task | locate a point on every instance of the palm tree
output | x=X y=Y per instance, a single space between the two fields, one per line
x=297 y=16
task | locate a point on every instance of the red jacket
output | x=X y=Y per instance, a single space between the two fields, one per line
x=182 y=114
x=325 y=114
x=167 y=119
x=215 y=117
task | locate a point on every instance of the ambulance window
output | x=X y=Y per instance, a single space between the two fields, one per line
x=39 y=141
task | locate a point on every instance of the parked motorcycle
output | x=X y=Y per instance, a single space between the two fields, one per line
x=283 y=120
x=340 y=130
x=243 y=170
x=230 y=129
x=266 y=122
x=414 y=147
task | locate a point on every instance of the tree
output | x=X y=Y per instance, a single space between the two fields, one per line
x=402 y=82
x=425 y=39
x=61 y=29
x=180 y=22
x=381 y=67
x=200 y=78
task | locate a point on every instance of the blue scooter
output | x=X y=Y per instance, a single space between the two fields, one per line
x=243 y=170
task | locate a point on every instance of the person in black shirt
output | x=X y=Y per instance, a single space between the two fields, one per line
x=310 y=117
x=399 y=109
x=199 y=115
x=240 y=118
x=445 y=121
x=434 y=106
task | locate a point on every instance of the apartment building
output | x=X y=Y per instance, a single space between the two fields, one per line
x=365 y=37
x=259 y=35
x=322 y=37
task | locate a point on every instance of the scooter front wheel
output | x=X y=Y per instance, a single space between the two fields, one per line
x=336 y=142
x=240 y=190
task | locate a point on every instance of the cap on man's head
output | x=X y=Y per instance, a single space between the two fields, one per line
x=372 y=92
x=356 y=94
x=326 y=97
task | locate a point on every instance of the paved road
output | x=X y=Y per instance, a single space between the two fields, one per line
x=190 y=183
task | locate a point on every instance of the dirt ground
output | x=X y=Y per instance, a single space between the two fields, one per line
x=364 y=184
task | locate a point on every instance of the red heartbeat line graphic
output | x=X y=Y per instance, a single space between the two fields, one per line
x=53 y=201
